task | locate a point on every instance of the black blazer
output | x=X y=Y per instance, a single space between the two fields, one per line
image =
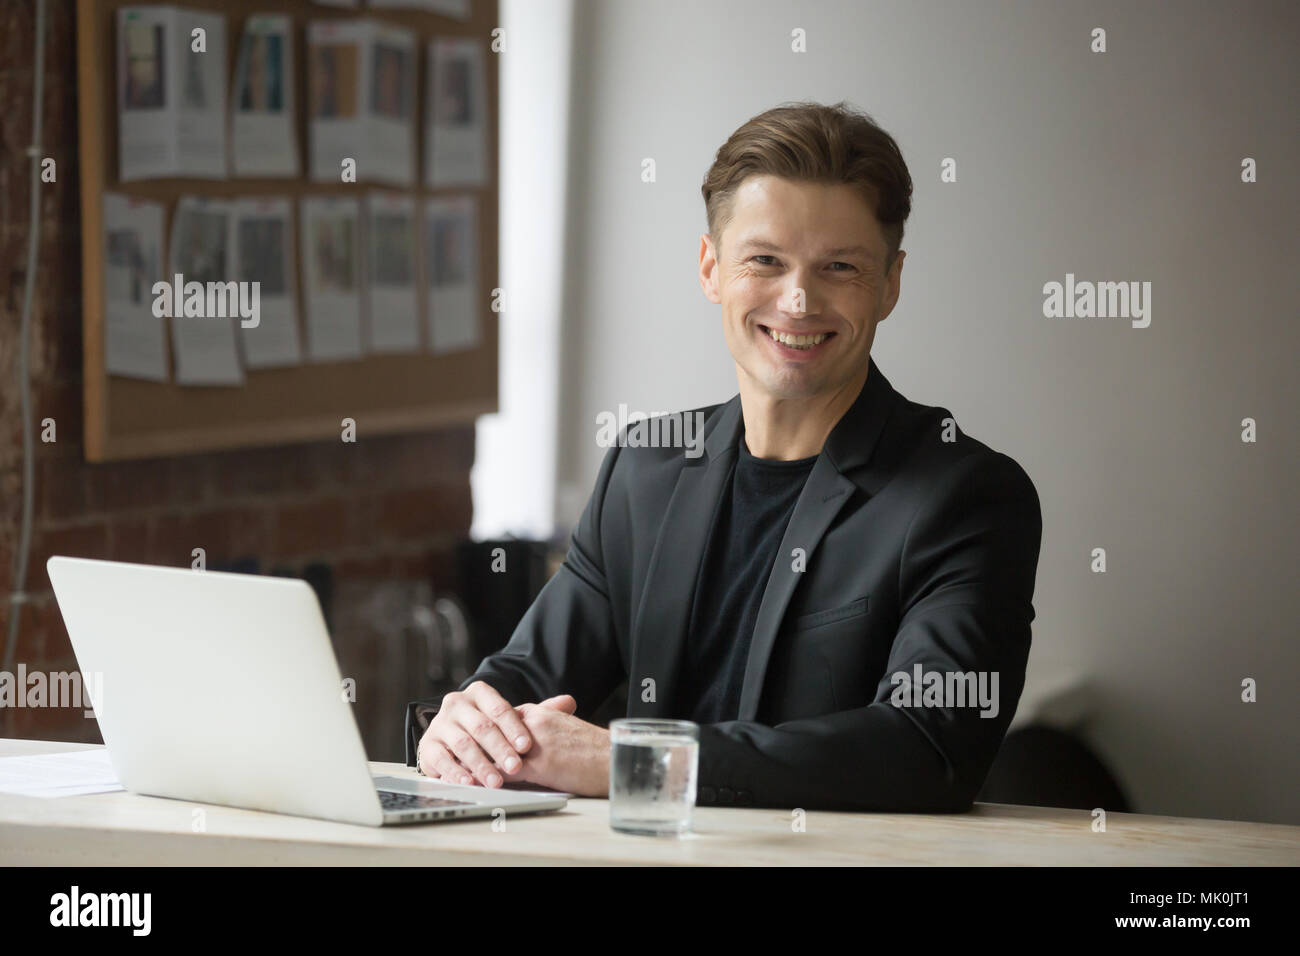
x=921 y=547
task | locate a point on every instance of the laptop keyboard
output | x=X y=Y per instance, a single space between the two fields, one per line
x=392 y=800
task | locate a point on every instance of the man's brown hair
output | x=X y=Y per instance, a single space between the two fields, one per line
x=814 y=143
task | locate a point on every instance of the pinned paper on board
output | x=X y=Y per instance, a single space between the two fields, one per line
x=202 y=298
x=264 y=253
x=451 y=271
x=394 y=319
x=264 y=134
x=331 y=256
x=135 y=342
x=455 y=137
x=171 y=95
x=361 y=77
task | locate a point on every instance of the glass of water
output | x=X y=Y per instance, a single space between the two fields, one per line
x=652 y=768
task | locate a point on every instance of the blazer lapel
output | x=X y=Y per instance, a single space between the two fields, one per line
x=848 y=447
x=823 y=495
x=663 y=616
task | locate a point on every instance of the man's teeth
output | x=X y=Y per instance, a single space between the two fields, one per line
x=797 y=341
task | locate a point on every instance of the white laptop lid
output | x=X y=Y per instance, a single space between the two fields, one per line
x=219 y=688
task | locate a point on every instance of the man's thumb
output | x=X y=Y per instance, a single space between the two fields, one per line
x=564 y=702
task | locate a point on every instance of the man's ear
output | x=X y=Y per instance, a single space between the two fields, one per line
x=709 y=269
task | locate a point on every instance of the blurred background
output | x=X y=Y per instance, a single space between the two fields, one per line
x=1117 y=155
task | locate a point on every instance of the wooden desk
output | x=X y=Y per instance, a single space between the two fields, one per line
x=127 y=829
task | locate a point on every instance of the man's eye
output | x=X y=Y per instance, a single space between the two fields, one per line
x=772 y=263
x=846 y=265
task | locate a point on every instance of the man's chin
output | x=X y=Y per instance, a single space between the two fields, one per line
x=798 y=383
x=792 y=384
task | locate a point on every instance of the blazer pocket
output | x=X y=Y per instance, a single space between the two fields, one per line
x=843 y=613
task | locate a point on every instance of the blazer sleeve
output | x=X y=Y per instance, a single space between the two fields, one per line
x=966 y=581
x=565 y=642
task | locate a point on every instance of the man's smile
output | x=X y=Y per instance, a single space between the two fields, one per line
x=801 y=344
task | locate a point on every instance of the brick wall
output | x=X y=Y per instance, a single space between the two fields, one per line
x=378 y=511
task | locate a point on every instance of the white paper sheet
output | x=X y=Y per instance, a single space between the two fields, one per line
x=336 y=125
x=393 y=313
x=146 y=117
x=135 y=342
x=455 y=138
x=361 y=82
x=171 y=98
x=451 y=273
x=59 y=775
x=263 y=238
x=201 y=81
x=390 y=106
x=332 y=281
x=204 y=345
x=265 y=137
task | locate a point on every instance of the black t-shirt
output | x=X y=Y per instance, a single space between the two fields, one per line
x=751 y=518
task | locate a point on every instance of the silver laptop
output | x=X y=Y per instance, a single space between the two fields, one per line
x=224 y=688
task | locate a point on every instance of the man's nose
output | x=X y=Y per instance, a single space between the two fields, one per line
x=798 y=296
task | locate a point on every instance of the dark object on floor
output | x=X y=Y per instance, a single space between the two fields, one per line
x=498 y=581
x=1040 y=766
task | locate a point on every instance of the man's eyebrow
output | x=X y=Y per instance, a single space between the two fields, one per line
x=765 y=245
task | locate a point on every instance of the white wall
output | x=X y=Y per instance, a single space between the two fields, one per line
x=513 y=479
x=1115 y=166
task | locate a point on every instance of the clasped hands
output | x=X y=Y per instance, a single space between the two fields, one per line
x=478 y=738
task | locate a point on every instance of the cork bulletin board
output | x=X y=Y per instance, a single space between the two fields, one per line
x=134 y=418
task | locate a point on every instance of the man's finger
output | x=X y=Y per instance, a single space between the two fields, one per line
x=437 y=762
x=512 y=729
x=488 y=736
x=460 y=741
x=562 y=702
x=425 y=755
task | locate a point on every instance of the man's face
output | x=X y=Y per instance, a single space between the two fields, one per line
x=787 y=238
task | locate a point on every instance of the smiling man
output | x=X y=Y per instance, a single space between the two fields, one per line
x=825 y=587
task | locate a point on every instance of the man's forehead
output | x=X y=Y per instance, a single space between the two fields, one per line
x=761 y=217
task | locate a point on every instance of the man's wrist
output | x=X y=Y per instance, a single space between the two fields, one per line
x=601 y=785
